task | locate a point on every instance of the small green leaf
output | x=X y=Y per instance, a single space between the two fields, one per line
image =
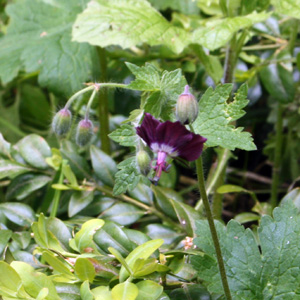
x=68 y=291
x=18 y=213
x=5 y=147
x=278 y=79
x=127 y=177
x=84 y=237
x=24 y=185
x=230 y=188
x=125 y=135
x=123 y=213
x=149 y=290
x=125 y=291
x=34 y=149
x=85 y=291
x=11 y=169
x=102 y=293
x=142 y=251
x=5 y=236
x=112 y=22
x=217 y=33
x=9 y=278
x=84 y=269
x=42 y=294
x=120 y=258
x=103 y=165
x=215 y=117
x=68 y=173
x=78 y=201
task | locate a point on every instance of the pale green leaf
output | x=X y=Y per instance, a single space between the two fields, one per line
x=127 y=177
x=217 y=33
x=125 y=291
x=287 y=7
x=149 y=290
x=215 y=117
x=11 y=169
x=127 y=23
x=40 y=44
x=187 y=7
x=125 y=135
x=102 y=293
x=84 y=269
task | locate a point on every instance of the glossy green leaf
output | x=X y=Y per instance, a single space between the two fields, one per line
x=120 y=258
x=287 y=7
x=217 y=33
x=103 y=165
x=123 y=213
x=136 y=237
x=12 y=169
x=144 y=267
x=246 y=217
x=68 y=291
x=84 y=269
x=34 y=149
x=78 y=201
x=112 y=235
x=85 y=291
x=18 y=213
x=127 y=177
x=34 y=281
x=125 y=291
x=22 y=238
x=9 y=278
x=5 y=147
x=143 y=193
x=45 y=46
x=115 y=23
x=142 y=251
x=102 y=293
x=84 y=237
x=278 y=79
x=187 y=216
x=215 y=117
x=125 y=135
x=5 y=236
x=24 y=185
x=149 y=290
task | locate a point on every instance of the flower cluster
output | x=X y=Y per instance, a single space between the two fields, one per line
x=169 y=139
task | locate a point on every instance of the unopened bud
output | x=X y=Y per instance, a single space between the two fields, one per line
x=186 y=107
x=84 y=132
x=143 y=162
x=62 y=122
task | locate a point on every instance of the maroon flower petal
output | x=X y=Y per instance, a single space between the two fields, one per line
x=173 y=134
x=147 y=130
x=193 y=149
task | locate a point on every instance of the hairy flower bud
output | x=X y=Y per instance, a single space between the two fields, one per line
x=62 y=122
x=143 y=162
x=186 y=107
x=84 y=132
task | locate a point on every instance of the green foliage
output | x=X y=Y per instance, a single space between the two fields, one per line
x=251 y=274
x=216 y=116
x=34 y=44
x=126 y=23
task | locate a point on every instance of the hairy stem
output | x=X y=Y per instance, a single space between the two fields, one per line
x=103 y=113
x=277 y=159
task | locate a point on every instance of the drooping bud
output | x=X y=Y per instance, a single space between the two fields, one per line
x=62 y=122
x=186 y=107
x=84 y=132
x=143 y=161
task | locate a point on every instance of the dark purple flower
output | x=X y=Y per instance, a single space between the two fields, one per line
x=169 y=139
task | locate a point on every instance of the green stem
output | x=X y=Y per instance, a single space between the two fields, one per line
x=277 y=159
x=143 y=206
x=87 y=112
x=76 y=95
x=212 y=227
x=293 y=36
x=58 y=192
x=103 y=113
x=210 y=219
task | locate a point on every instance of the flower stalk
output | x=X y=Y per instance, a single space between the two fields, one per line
x=210 y=219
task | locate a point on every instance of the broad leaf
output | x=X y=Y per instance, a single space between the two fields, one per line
x=215 y=117
x=11 y=169
x=127 y=177
x=126 y=23
x=78 y=201
x=287 y=7
x=217 y=33
x=271 y=271
x=149 y=290
x=39 y=44
x=126 y=290
x=185 y=6
x=84 y=269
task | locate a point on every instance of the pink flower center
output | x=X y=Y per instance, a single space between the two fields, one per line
x=160 y=166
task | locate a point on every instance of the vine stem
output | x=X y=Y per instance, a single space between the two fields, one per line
x=277 y=160
x=213 y=231
x=87 y=112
